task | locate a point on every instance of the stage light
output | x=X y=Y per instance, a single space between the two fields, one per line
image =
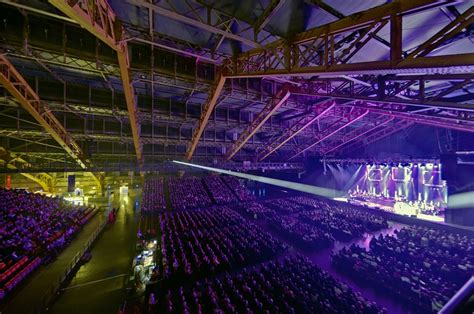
x=311 y=189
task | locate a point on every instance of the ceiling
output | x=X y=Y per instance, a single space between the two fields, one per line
x=179 y=51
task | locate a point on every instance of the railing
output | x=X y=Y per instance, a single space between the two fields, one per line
x=51 y=294
x=454 y=304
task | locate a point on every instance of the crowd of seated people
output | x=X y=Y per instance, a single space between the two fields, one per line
x=213 y=240
x=285 y=205
x=219 y=190
x=34 y=228
x=153 y=195
x=243 y=194
x=300 y=233
x=344 y=224
x=188 y=192
x=292 y=285
x=257 y=210
x=423 y=267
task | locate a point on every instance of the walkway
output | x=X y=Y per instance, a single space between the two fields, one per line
x=98 y=285
x=31 y=294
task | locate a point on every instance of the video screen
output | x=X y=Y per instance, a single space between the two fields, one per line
x=375 y=175
x=401 y=174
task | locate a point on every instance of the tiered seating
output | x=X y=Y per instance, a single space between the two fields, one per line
x=219 y=190
x=186 y=193
x=420 y=266
x=203 y=243
x=33 y=228
x=153 y=195
x=242 y=193
x=291 y=286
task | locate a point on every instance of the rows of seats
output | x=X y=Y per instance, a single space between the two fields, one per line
x=420 y=266
x=34 y=228
x=187 y=192
x=344 y=224
x=242 y=193
x=256 y=210
x=193 y=250
x=214 y=217
x=153 y=195
x=293 y=285
x=219 y=190
x=301 y=234
x=285 y=206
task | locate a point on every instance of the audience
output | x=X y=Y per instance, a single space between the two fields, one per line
x=186 y=193
x=292 y=285
x=34 y=228
x=153 y=195
x=419 y=266
x=243 y=194
x=256 y=210
x=301 y=234
x=204 y=242
x=219 y=190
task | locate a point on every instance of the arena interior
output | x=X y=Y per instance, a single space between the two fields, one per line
x=266 y=156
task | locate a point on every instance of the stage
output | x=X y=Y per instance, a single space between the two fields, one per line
x=400 y=207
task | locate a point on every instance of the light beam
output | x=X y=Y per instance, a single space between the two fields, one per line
x=315 y=190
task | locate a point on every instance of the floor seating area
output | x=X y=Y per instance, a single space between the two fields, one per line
x=421 y=266
x=242 y=193
x=244 y=256
x=34 y=229
x=220 y=192
x=181 y=196
x=292 y=285
x=154 y=190
x=208 y=241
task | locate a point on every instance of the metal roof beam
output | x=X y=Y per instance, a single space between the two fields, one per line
x=208 y=109
x=30 y=101
x=332 y=129
x=354 y=135
x=42 y=178
x=295 y=129
x=187 y=20
x=275 y=103
x=267 y=15
x=316 y=51
x=99 y=19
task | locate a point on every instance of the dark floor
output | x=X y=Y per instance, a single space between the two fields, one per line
x=98 y=285
x=32 y=293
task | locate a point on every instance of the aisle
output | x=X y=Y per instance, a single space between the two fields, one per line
x=31 y=294
x=98 y=285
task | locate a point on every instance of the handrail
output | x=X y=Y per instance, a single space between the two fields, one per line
x=466 y=291
x=51 y=295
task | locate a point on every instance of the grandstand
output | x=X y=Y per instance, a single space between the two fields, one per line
x=273 y=156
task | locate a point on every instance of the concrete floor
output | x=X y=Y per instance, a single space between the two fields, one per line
x=98 y=286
